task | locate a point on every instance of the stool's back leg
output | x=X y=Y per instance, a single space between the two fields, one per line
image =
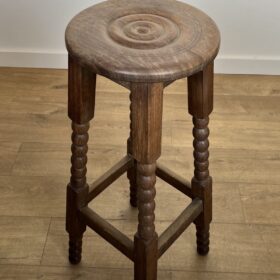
x=131 y=173
x=81 y=101
x=146 y=149
x=200 y=106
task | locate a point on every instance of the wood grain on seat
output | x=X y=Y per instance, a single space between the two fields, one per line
x=143 y=41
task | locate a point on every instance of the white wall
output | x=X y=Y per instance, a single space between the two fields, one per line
x=32 y=33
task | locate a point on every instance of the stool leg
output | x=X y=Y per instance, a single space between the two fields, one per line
x=146 y=149
x=81 y=99
x=132 y=172
x=200 y=106
x=77 y=190
x=146 y=239
x=202 y=182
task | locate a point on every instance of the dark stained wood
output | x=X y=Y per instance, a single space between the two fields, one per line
x=202 y=182
x=174 y=180
x=109 y=177
x=81 y=92
x=132 y=172
x=146 y=239
x=143 y=41
x=201 y=92
x=146 y=200
x=170 y=235
x=143 y=46
x=147 y=102
x=200 y=106
x=108 y=232
x=81 y=102
x=145 y=265
x=77 y=191
x=132 y=177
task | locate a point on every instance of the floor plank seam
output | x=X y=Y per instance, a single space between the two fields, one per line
x=47 y=235
x=130 y=269
x=135 y=220
x=67 y=177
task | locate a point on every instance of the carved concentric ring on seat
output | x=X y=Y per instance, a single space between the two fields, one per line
x=143 y=31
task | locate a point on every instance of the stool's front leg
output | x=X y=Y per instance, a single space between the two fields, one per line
x=200 y=106
x=146 y=149
x=77 y=190
x=81 y=98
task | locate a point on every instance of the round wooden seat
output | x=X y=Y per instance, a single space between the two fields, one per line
x=143 y=41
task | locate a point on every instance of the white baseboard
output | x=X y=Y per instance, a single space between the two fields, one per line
x=33 y=59
x=224 y=64
x=259 y=65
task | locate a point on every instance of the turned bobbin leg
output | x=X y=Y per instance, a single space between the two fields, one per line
x=77 y=190
x=146 y=149
x=200 y=106
x=132 y=172
x=81 y=98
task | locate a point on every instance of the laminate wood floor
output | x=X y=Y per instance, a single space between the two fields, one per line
x=34 y=172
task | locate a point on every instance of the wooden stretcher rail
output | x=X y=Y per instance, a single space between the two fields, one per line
x=174 y=180
x=170 y=235
x=109 y=177
x=108 y=232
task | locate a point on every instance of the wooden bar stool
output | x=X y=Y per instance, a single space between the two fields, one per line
x=144 y=46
